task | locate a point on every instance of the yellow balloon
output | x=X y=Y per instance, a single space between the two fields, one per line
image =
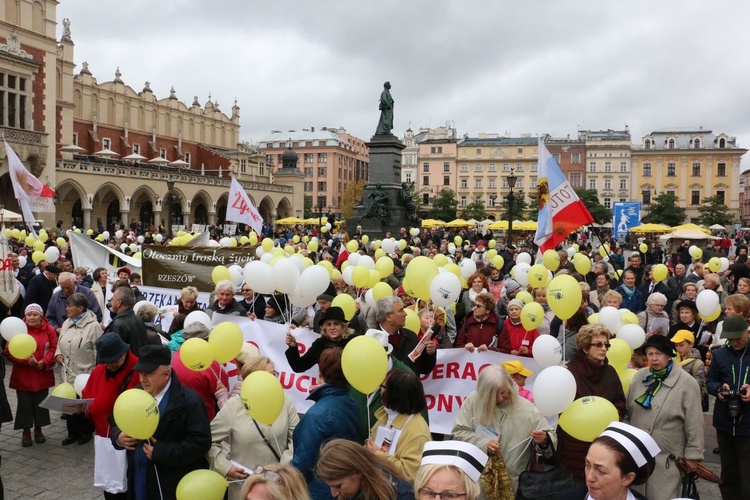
x=89 y=232
x=39 y=246
x=196 y=355
x=352 y=246
x=618 y=273
x=458 y=240
x=64 y=390
x=345 y=264
x=375 y=244
x=525 y=297
x=305 y=239
x=312 y=246
x=714 y=264
x=43 y=236
x=492 y=243
x=60 y=241
x=289 y=249
x=225 y=341
x=346 y=303
x=335 y=273
x=323 y=229
x=262 y=396
x=401 y=244
x=244 y=240
x=420 y=272
x=491 y=254
x=660 y=272
x=16 y=233
x=327 y=264
x=538 y=276
x=582 y=263
x=440 y=260
x=136 y=413
x=201 y=484
x=711 y=317
x=575 y=247
x=593 y=319
x=532 y=315
x=295 y=238
x=279 y=252
x=365 y=239
x=253 y=239
x=374 y=278
x=267 y=244
x=564 y=296
x=138 y=255
x=360 y=275
x=364 y=363
x=381 y=290
x=626 y=378
x=77 y=230
x=696 y=252
x=603 y=250
x=643 y=248
x=619 y=354
x=498 y=262
x=384 y=266
x=379 y=253
x=219 y=273
x=412 y=320
x=38 y=256
x=587 y=417
x=30 y=240
x=22 y=346
x=453 y=268
x=628 y=317
x=551 y=260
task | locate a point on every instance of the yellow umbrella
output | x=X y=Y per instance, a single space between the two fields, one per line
x=694 y=227
x=290 y=221
x=459 y=223
x=432 y=223
x=651 y=228
x=499 y=225
x=527 y=225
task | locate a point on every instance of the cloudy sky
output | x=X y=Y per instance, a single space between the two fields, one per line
x=485 y=65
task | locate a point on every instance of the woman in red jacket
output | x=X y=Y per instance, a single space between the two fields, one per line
x=32 y=377
x=516 y=339
x=481 y=328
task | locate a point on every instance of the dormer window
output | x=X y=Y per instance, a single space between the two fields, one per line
x=670 y=144
x=722 y=143
x=696 y=143
x=647 y=144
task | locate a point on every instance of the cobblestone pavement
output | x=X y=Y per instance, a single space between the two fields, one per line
x=51 y=471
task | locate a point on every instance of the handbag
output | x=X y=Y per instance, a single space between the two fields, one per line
x=689 y=488
x=110 y=466
x=546 y=484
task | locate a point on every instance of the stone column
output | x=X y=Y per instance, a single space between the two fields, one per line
x=87 y=218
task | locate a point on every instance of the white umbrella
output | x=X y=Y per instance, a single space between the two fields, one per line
x=106 y=152
x=717 y=227
x=159 y=160
x=134 y=156
x=72 y=148
x=179 y=163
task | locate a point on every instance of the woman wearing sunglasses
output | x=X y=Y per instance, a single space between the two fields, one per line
x=594 y=377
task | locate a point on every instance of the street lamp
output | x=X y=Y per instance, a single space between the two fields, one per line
x=511 y=185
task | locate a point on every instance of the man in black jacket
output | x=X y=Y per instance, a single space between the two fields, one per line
x=126 y=324
x=41 y=287
x=181 y=440
x=391 y=317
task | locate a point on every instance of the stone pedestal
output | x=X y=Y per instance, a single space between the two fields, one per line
x=384 y=174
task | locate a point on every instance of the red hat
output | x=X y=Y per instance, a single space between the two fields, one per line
x=400 y=292
x=124 y=270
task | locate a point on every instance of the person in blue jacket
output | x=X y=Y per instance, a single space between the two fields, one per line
x=631 y=296
x=334 y=415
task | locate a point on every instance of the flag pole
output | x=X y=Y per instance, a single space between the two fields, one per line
x=614 y=266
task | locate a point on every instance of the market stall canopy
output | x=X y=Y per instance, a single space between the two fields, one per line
x=650 y=228
x=693 y=227
x=290 y=221
x=459 y=223
x=10 y=216
x=718 y=227
x=687 y=234
x=432 y=223
x=134 y=157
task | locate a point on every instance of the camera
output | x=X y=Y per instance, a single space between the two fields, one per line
x=734 y=403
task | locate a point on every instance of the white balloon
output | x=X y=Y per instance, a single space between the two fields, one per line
x=198 y=317
x=212 y=243
x=259 y=252
x=132 y=247
x=123 y=246
x=235 y=274
x=52 y=254
x=159 y=238
x=451 y=248
x=285 y=275
x=118 y=234
x=414 y=231
x=258 y=276
x=707 y=301
x=611 y=318
x=106 y=235
x=445 y=289
x=523 y=257
x=522 y=273
x=267 y=257
x=633 y=335
x=22 y=261
x=80 y=382
x=314 y=280
x=442 y=270
x=554 y=389
x=468 y=267
x=388 y=246
x=300 y=300
x=724 y=264
x=693 y=251
x=571 y=252
x=12 y=326
x=299 y=261
x=225 y=242
x=138 y=306
x=353 y=259
x=370 y=300
x=547 y=351
x=141 y=239
x=347 y=275
x=366 y=260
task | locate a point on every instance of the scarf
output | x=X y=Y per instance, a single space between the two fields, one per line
x=627 y=290
x=79 y=317
x=655 y=378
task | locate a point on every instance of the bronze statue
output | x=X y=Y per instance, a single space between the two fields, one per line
x=407 y=198
x=378 y=207
x=385 y=125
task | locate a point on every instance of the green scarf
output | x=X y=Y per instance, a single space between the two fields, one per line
x=655 y=378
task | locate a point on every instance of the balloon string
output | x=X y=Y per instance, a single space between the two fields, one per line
x=66 y=367
x=214 y=373
x=563 y=343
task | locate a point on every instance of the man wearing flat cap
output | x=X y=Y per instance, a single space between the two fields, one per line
x=182 y=438
x=41 y=287
x=126 y=324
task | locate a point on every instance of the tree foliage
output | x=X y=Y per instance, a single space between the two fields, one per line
x=351 y=196
x=308 y=207
x=519 y=206
x=443 y=206
x=714 y=211
x=474 y=210
x=590 y=199
x=533 y=212
x=664 y=210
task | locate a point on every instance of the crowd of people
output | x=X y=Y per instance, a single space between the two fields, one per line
x=379 y=445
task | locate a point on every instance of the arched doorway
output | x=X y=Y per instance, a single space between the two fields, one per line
x=76 y=214
x=146 y=214
x=113 y=214
x=201 y=214
x=221 y=214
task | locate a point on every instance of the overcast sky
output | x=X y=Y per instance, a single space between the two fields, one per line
x=485 y=65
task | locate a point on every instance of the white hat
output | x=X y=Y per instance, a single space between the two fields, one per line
x=465 y=456
x=638 y=443
x=381 y=337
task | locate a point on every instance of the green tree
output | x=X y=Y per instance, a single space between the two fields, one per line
x=714 y=211
x=519 y=206
x=474 y=210
x=443 y=206
x=350 y=197
x=664 y=210
x=308 y=207
x=533 y=212
x=590 y=199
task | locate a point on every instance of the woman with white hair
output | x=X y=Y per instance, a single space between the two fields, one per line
x=655 y=305
x=497 y=420
x=224 y=301
x=450 y=469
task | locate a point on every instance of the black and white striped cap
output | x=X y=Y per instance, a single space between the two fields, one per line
x=465 y=456
x=638 y=443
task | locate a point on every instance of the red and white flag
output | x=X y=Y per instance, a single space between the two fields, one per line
x=241 y=209
x=32 y=195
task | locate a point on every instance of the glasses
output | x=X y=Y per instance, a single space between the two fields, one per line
x=268 y=475
x=445 y=495
x=606 y=345
x=479 y=306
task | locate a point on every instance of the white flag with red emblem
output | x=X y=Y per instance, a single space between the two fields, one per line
x=32 y=195
x=241 y=209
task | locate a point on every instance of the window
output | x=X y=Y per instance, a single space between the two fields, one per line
x=646 y=170
x=505 y=183
x=309 y=158
x=434 y=149
x=575 y=158
x=426 y=167
x=607 y=202
x=623 y=200
x=479 y=151
x=308 y=186
x=672 y=193
x=607 y=184
x=646 y=196
x=696 y=143
x=721 y=196
x=13 y=99
x=425 y=198
x=519 y=167
x=321 y=201
x=463 y=200
x=446 y=180
x=520 y=151
x=308 y=171
x=607 y=166
x=75 y=141
x=322 y=186
x=671 y=169
x=519 y=183
x=592 y=166
x=163 y=153
x=647 y=144
x=493 y=167
x=492 y=183
x=670 y=144
x=477 y=167
x=506 y=167
x=491 y=201
x=695 y=197
x=533 y=167
x=478 y=183
x=261 y=169
x=425 y=180
x=464 y=183
x=592 y=183
x=407 y=177
x=556 y=156
x=721 y=169
x=464 y=167
x=623 y=183
x=696 y=169
x=446 y=167
x=106 y=143
x=722 y=143
x=575 y=179
x=322 y=171
x=322 y=157
x=243 y=166
x=533 y=183
x=623 y=166
x=136 y=147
